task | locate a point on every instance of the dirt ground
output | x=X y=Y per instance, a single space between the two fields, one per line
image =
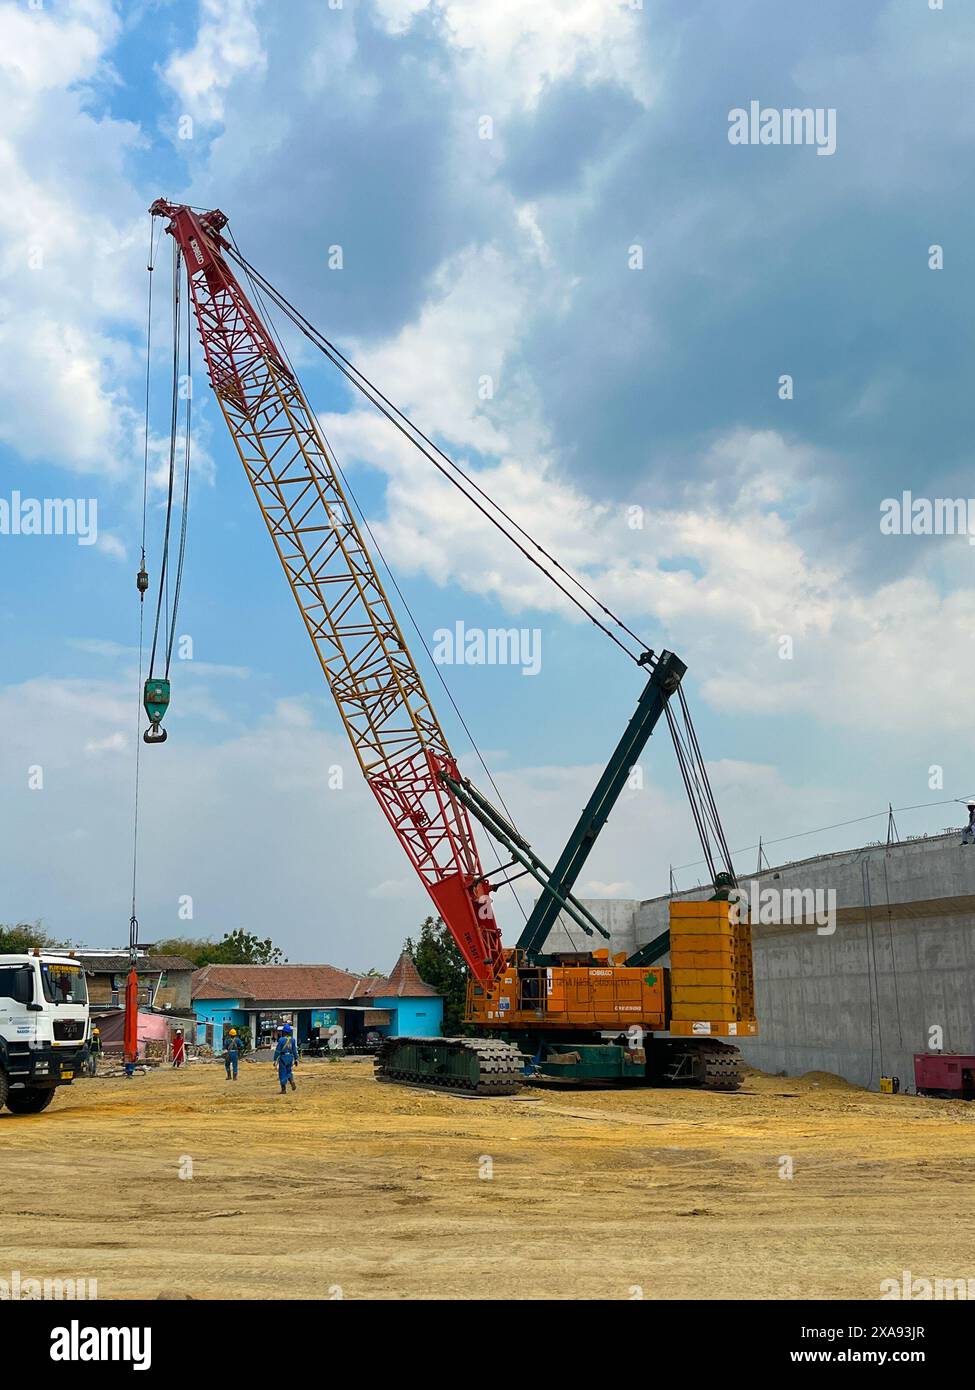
x=353 y=1189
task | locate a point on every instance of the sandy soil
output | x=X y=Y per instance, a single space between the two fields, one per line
x=350 y=1188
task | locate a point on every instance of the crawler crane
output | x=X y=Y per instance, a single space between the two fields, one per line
x=582 y=1015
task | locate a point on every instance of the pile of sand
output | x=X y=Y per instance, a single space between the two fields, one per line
x=828 y=1081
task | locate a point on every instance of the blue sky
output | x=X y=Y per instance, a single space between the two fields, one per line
x=614 y=388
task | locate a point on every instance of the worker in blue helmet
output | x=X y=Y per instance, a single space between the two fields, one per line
x=286 y=1058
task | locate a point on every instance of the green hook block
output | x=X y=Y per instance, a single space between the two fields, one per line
x=155 y=698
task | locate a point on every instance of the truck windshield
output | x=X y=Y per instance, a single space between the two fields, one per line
x=63 y=984
x=15 y=983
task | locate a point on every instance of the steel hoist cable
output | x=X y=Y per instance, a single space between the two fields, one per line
x=162 y=607
x=156 y=692
x=142 y=578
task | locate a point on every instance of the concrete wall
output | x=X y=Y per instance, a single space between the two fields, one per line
x=174 y=990
x=617 y=915
x=862 y=995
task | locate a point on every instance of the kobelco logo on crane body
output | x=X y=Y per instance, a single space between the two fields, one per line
x=195 y=248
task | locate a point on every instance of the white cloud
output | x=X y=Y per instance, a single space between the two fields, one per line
x=596 y=888
x=68 y=271
x=509 y=51
x=448 y=369
x=228 y=46
x=244 y=822
x=726 y=573
x=39 y=49
x=391 y=889
x=111 y=545
x=111 y=743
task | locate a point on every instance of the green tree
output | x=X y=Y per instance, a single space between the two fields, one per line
x=186 y=946
x=440 y=964
x=235 y=948
x=16 y=940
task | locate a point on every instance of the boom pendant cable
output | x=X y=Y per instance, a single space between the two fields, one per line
x=420 y=441
x=350 y=492
x=156 y=695
x=689 y=756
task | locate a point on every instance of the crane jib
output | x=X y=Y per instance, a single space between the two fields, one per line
x=394 y=731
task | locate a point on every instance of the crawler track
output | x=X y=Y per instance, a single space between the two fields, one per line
x=465 y=1066
x=723 y=1069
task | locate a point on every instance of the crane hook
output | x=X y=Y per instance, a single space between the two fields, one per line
x=155 y=699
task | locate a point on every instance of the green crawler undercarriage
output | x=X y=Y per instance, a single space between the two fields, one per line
x=500 y=1067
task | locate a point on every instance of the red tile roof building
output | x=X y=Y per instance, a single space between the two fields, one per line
x=314 y=997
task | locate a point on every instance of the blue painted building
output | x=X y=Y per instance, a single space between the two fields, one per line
x=220 y=1013
x=325 y=1006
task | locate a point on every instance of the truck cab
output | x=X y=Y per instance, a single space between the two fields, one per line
x=44 y=1028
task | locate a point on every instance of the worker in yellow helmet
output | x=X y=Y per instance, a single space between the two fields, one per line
x=231 y=1054
x=94 y=1047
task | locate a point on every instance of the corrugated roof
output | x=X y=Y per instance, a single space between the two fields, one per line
x=170 y=963
x=145 y=965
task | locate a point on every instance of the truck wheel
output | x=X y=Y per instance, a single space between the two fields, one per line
x=3 y=1089
x=30 y=1101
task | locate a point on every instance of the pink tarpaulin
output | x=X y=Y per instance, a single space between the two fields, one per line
x=150 y=1026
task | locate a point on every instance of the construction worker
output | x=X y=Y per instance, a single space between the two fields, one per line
x=286 y=1058
x=231 y=1054
x=179 y=1049
x=968 y=834
x=94 y=1047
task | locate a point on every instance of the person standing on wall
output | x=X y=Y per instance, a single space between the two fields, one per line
x=286 y=1059
x=968 y=834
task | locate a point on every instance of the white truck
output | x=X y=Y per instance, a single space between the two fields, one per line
x=44 y=1028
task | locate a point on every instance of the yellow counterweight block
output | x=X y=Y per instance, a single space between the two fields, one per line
x=712 y=982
